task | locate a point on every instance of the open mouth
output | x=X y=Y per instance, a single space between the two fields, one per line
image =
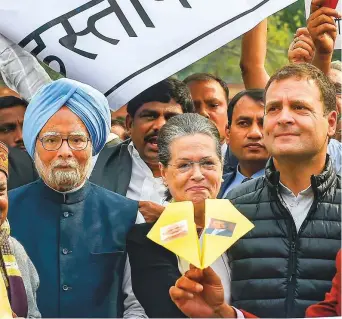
x=152 y=141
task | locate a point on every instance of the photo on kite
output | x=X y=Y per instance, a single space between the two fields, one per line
x=219 y=227
x=174 y=231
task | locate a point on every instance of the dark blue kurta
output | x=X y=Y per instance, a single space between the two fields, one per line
x=77 y=242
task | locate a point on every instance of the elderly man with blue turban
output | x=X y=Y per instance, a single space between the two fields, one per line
x=73 y=230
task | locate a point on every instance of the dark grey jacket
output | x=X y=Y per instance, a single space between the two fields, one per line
x=113 y=168
x=275 y=271
x=21 y=169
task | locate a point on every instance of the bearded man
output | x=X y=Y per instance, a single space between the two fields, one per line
x=74 y=231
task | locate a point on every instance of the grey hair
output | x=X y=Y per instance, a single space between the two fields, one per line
x=336 y=65
x=184 y=125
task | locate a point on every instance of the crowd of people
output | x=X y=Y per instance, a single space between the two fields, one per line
x=80 y=190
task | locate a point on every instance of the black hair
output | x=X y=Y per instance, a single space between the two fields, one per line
x=163 y=92
x=308 y=72
x=256 y=94
x=11 y=101
x=198 y=77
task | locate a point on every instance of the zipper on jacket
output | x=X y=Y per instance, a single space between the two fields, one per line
x=291 y=287
x=291 y=275
x=293 y=262
x=293 y=253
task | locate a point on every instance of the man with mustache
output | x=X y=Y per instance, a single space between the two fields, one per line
x=245 y=138
x=131 y=168
x=73 y=230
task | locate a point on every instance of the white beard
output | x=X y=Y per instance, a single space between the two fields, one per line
x=61 y=179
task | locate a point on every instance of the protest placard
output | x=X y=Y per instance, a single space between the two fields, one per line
x=122 y=47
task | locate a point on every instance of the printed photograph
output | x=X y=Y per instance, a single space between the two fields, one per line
x=219 y=227
x=173 y=231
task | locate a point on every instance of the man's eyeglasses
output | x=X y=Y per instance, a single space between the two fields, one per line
x=186 y=166
x=54 y=142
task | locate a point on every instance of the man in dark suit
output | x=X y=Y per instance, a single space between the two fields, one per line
x=131 y=167
x=245 y=139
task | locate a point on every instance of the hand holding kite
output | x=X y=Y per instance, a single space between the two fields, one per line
x=176 y=231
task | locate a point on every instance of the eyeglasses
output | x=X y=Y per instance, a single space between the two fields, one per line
x=54 y=142
x=204 y=164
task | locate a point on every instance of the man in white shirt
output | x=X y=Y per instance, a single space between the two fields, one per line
x=131 y=167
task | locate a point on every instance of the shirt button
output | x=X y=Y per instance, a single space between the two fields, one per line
x=66 y=214
x=65 y=251
x=65 y=287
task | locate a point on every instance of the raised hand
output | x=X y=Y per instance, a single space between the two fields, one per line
x=322 y=27
x=302 y=48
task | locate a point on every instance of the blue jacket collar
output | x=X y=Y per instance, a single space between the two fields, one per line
x=64 y=198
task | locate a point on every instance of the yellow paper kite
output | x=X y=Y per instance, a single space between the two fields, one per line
x=176 y=230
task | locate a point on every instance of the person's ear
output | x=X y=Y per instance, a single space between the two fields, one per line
x=129 y=123
x=227 y=130
x=163 y=169
x=332 y=122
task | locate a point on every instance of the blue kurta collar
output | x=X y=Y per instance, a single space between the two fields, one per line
x=64 y=198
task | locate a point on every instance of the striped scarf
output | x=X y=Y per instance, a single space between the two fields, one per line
x=11 y=274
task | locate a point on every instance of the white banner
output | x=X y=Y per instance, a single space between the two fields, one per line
x=338 y=43
x=122 y=47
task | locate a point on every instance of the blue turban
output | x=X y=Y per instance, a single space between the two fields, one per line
x=87 y=103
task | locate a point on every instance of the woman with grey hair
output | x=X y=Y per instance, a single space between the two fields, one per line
x=191 y=167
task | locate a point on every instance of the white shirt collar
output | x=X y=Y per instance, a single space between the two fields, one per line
x=285 y=190
x=138 y=160
x=143 y=185
x=224 y=148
